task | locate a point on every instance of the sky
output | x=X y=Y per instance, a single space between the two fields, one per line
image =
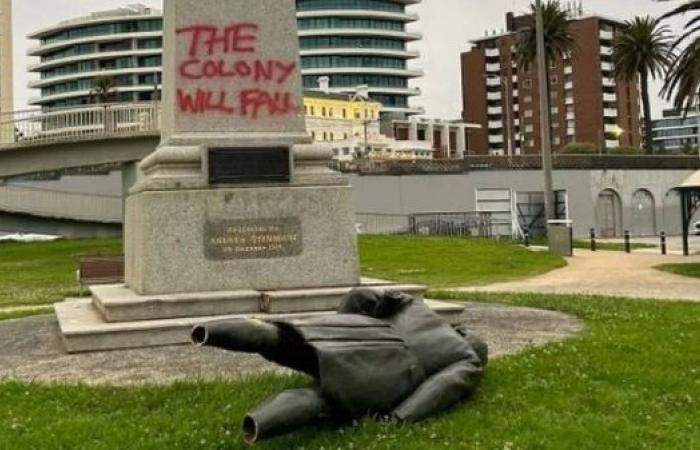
x=447 y=27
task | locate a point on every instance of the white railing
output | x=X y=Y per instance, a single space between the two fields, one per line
x=35 y=127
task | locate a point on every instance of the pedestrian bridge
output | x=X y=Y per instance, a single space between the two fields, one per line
x=45 y=141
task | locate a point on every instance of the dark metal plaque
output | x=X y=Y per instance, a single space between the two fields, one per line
x=253 y=239
x=249 y=165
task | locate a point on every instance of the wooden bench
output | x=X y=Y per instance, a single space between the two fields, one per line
x=100 y=270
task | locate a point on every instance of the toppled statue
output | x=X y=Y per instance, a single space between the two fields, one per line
x=383 y=354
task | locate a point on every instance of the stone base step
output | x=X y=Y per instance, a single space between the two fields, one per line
x=84 y=329
x=312 y=300
x=117 y=303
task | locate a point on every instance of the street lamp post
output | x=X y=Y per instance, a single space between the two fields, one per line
x=545 y=126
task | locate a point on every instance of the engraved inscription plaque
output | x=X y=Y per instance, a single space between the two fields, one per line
x=253 y=239
x=249 y=165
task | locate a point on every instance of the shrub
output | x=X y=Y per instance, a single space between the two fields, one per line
x=624 y=150
x=580 y=148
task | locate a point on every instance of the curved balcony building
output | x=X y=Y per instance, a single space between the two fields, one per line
x=124 y=44
x=352 y=42
x=360 y=42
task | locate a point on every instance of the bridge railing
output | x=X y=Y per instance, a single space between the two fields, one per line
x=33 y=127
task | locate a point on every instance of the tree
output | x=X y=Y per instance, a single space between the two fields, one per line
x=103 y=89
x=558 y=40
x=642 y=51
x=683 y=79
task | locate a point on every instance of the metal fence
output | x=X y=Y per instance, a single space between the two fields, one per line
x=527 y=162
x=47 y=126
x=467 y=224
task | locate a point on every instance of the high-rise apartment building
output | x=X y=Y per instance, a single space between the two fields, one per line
x=6 y=60
x=124 y=44
x=352 y=42
x=360 y=42
x=587 y=103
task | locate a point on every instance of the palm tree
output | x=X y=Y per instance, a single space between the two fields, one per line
x=642 y=51
x=683 y=79
x=103 y=89
x=558 y=40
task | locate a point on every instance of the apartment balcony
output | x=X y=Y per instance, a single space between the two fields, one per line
x=495 y=67
x=496 y=139
x=569 y=101
x=493 y=81
x=611 y=144
x=569 y=86
x=607 y=66
x=494 y=96
x=610 y=112
x=516 y=108
x=516 y=92
x=571 y=131
x=606 y=50
x=568 y=70
x=494 y=110
x=570 y=116
x=495 y=124
x=609 y=82
x=492 y=52
x=606 y=35
x=612 y=98
x=612 y=128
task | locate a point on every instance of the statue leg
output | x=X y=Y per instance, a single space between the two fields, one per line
x=277 y=344
x=286 y=412
x=242 y=335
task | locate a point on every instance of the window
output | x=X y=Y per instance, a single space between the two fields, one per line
x=554 y=79
x=323 y=111
x=330 y=112
x=313 y=111
x=313 y=135
x=325 y=136
x=528 y=113
x=332 y=137
x=527 y=99
x=527 y=84
x=345 y=113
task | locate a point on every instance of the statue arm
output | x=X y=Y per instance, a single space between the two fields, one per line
x=440 y=391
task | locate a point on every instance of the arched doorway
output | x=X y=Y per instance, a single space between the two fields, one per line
x=672 y=213
x=643 y=214
x=608 y=213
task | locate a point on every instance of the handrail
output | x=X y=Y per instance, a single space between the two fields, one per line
x=95 y=121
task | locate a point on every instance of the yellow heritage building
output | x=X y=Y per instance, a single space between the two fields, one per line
x=337 y=117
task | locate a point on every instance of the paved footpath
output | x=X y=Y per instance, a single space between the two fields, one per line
x=611 y=274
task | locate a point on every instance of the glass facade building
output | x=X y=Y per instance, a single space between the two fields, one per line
x=124 y=44
x=360 y=42
x=677 y=132
x=353 y=42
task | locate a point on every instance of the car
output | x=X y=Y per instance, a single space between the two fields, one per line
x=695 y=230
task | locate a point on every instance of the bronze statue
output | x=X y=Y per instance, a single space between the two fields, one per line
x=383 y=354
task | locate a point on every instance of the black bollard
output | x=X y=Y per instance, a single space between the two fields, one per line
x=526 y=234
x=628 y=245
x=664 y=250
x=593 y=243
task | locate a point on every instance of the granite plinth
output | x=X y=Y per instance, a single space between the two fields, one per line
x=83 y=328
x=117 y=303
x=170 y=245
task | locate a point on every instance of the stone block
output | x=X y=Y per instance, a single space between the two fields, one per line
x=259 y=238
x=117 y=303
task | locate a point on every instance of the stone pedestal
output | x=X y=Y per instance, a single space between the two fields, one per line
x=236 y=212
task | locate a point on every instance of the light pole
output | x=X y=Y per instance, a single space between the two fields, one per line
x=545 y=126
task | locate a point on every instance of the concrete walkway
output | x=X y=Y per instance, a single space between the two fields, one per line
x=32 y=350
x=610 y=274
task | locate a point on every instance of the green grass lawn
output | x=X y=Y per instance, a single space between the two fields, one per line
x=631 y=381
x=43 y=273
x=685 y=269
x=450 y=262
